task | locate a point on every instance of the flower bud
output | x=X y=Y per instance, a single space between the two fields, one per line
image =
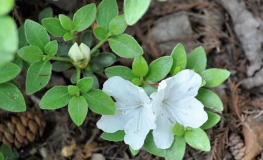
x=80 y=55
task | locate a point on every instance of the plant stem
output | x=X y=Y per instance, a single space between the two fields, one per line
x=97 y=46
x=61 y=59
x=78 y=74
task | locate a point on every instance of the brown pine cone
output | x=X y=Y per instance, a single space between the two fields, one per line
x=237 y=147
x=22 y=129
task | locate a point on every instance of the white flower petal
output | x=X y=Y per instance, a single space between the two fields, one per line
x=75 y=53
x=163 y=136
x=189 y=113
x=85 y=50
x=139 y=126
x=157 y=101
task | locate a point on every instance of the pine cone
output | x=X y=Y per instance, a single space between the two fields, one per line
x=22 y=129
x=237 y=146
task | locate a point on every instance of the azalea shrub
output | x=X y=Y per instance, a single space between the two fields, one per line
x=161 y=106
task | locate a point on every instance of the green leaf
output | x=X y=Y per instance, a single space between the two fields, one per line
x=86 y=38
x=68 y=36
x=85 y=84
x=118 y=25
x=30 y=53
x=196 y=60
x=95 y=79
x=134 y=152
x=11 y=98
x=22 y=36
x=134 y=10
x=179 y=59
x=177 y=150
x=159 y=68
x=54 y=27
x=18 y=61
x=38 y=75
x=150 y=146
x=63 y=50
x=55 y=98
x=114 y=137
x=84 y=17
x=65 y=22
x=51 y=48
x=148 y=89
x=73 y=78
x=197 y=139
x=45 y=13
x=99 y=102
x=73 y=90
x=6 y=150
x=214 y=76
x=209 y=99
x=178 y=129
x=9 y=39
x=140 y=66
x=103 y=59
x=125 y=46
x=8 y=71
x=6 y=6
x=107 y=10
x=100 y=33
x=213 y=119
x=59 y=66
x=36 y=34
x=2 y=156
x=78 y=109
x=15 y=83
x=122 y=71
x=137 y=81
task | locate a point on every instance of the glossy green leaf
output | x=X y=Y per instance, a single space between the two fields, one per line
x=9 y=39
x=100 y=33
x=107 y=10
x=7 y=153
x=118 y=25
x=196 y=60
x=197 y=139
x=214 y=76
x=86 y=38
x=103 y=59
x=178 y=129
x=65 y=22
x=150 y=146
x=134 y=152
x=99 y=102
x=213 y=119
x=140 y=66
x=18 y=61
x=134 y=10
x=22 y=36
x=6 y=6
x=11 y=98
x=85 y=84
x=179 y=59
x=84 y=17
x=136 y=81
x=45 y=13
x=125 y=46
x=51 y=48
x=177 y=150
x=114 y=137
x=73 y=90
x=8 y=71
x=78 y=109
x=15 y=83
x=59 y=66
x=122 y=71
x=36 y=34
x=159 y=68
x=54 y=27
x=30 y=53
x=95 y=79
x=148 y=89
x=55 y=98
x=209 y=99
x=38 y=75
x=68 y=36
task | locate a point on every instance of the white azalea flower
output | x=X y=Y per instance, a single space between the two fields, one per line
x=134 y=112
x=80 y=54
x=175 y=102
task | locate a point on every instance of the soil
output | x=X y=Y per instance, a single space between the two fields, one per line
x=213 y=26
